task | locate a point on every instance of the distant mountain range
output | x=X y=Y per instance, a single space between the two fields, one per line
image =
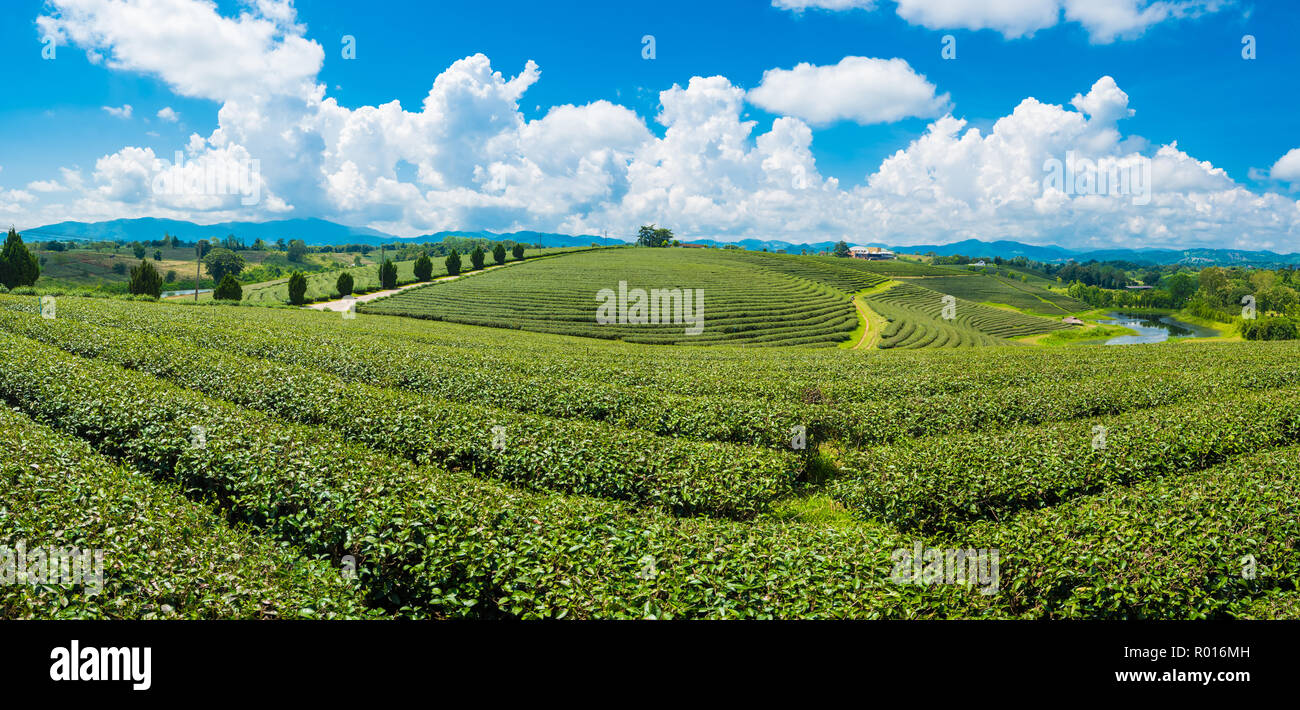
x=319 y=232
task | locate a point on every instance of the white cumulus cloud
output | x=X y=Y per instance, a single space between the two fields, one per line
x=1287 y=167
x=190 y=46
x=860 y=89
x=1105 y=20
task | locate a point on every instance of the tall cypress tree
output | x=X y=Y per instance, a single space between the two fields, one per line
x=388 y=275
x=18 y=266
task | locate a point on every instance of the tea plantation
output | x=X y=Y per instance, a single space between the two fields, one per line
x=240 y=462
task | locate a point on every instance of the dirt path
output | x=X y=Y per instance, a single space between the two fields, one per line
x=866 y=319
x=867 y=340
x=344 y=304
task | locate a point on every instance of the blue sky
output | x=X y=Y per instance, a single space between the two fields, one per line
x=1183 y=78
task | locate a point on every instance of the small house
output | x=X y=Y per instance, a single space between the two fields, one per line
x=871 y=253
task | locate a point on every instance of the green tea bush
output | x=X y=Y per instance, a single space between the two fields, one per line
x=163 y=556
x=940 y=483
x=1174 y=547
x=685 y=476
x=432 y=543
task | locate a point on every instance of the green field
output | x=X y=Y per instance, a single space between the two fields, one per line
x=1006 y=292
x=916 y=309
x=105 y=266
x=738 y=297
x=321 y=286
x=751 y=298
x=461 y=473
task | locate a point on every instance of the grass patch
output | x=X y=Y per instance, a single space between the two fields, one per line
x=1079 y=336
x=818 y=508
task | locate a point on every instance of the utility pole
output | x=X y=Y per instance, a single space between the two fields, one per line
x=198 y=261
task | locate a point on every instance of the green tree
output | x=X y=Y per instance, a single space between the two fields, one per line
x=138 y=249
x=145 y=280
x=297 y=250
x=476 y=257
x=228 y=290
x=518 y=251
x=1214 y=285
x=1181 y=288
x=423 y=268
x=297 y=288
x=223 y=262
x=18 y=266
x=499 y=253
x=453 y=263
x=841 y=249
x=388 y=274
x=344 y=284
x=1279 y=298
x=652 y=236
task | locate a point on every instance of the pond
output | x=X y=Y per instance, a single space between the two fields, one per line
x=1154 y=328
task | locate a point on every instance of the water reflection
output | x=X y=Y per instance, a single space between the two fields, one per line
x=1154 y=328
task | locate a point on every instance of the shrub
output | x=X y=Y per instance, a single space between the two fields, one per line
x=228 y=290
x=453 y=263
x=344 y=284
x=476 y=257
x=1270 y=328
x=297 y=288
x=145 y=280
x=423 y=268
x=499 y=253
x=518 y=251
